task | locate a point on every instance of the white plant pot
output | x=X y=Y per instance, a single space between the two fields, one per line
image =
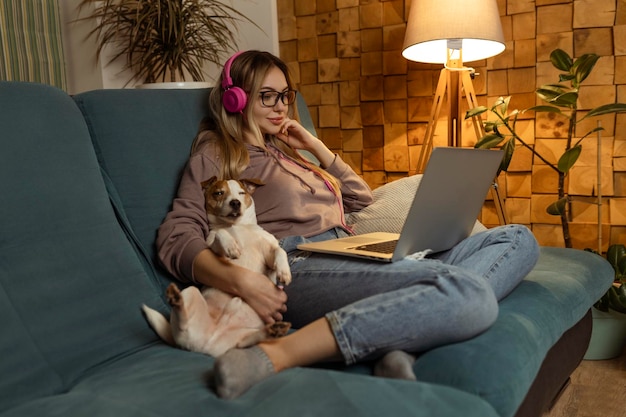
x=174 y=85
x=608 y=335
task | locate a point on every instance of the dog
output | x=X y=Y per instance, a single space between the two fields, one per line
x=211 y=321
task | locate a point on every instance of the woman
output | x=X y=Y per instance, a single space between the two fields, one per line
x=346 y=309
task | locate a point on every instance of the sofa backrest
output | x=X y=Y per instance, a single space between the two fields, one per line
x=71 y=285
x=142 y=139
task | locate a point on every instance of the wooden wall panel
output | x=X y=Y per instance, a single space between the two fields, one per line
x=372 y=106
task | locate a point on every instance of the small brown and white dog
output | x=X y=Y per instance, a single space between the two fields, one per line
x=211 y=321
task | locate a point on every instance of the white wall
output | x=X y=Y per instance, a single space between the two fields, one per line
x=85 y=72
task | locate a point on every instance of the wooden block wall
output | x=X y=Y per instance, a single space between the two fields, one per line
x=372 y=106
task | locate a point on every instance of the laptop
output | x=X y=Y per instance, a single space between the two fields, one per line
x=443 y=212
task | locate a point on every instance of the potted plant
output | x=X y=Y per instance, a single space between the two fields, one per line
x=609 y=313
x=560 y=99
x=164 y=40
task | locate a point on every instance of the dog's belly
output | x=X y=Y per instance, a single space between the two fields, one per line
x=254 y=260
x=212 y=322
x=228 y=311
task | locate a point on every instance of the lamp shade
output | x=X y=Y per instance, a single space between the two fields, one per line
x=435 y=25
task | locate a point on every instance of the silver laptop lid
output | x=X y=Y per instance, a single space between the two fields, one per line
x=450 y=196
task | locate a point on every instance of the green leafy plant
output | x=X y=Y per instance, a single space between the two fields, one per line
x=615 y=297
x=164 y=39
x=560 y=99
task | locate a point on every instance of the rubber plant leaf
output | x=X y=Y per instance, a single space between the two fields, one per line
x=475 y=111
x=558 y=207
x=548 y=94
x=566 y=100
x=614 y=254
x=489 y=141
x=561 y=60
x=621 y=269
x=508 y=148
x=605 y=109
x=584 y=65
x=545 y=109
x=617 y=298
x=569 y=158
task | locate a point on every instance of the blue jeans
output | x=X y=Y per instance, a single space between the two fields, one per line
x=409 y=305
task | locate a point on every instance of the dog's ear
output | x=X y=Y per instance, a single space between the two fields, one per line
x=206 y=184
x=251 y=184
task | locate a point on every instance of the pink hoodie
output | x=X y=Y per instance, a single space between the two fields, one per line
x=293 y=202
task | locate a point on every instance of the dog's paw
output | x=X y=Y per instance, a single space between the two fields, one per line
x=277 y=329
x=174 y=297
x=223 y=244
x=281 y=267
x=283 y=277
x=232 y=251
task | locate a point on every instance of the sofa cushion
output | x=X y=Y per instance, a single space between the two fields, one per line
x=391 y=205
x=70 y=283
x=143 y=139
x=161 y=381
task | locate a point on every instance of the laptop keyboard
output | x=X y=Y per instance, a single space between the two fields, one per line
x=380 y=247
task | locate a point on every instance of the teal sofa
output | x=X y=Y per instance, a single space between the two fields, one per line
x=85 y=182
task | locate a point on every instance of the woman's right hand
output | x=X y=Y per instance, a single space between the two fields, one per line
x=262 y=295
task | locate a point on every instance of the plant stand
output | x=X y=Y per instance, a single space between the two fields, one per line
x=608 y=335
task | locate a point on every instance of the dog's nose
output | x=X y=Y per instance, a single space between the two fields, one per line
x=235 y=204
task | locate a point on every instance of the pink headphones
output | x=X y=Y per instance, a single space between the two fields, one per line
x=234 y=98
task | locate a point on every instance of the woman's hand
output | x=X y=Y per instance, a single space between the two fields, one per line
x=296 y=136
x=262 y=295
x=254 y=288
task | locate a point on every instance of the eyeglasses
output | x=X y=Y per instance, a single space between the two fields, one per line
x=270 y=98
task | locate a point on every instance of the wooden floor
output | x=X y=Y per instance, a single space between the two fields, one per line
x=598 y=389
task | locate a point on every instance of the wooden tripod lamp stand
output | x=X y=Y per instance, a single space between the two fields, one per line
x=449 y=32
x=454 y=79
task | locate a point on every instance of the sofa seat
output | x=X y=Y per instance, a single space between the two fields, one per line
x=167 y=382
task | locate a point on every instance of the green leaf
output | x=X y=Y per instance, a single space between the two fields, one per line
x=556 y=87
x=614 y=253
x=505 y=105
x=475 y=111
x=561 y=60
x=583 y=66
x=546 y=109
x=548 y=94
x=596 y=129
x=566 y=77
x=617 y=298
x=558 y=207
x=489 y=141
x=605 y=109
x=569 y=158
x=568 y=99
x=489 y=126
x=508 y=148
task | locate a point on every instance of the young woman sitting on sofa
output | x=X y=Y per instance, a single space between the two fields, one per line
x=346 y=309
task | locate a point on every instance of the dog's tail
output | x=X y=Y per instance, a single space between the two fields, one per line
x=160 y=324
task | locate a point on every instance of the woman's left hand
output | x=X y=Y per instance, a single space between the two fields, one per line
x=296 y=136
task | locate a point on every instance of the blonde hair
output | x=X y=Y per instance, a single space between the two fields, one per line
x=248 y=71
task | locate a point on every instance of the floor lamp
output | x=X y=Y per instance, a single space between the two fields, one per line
x=450 y=32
